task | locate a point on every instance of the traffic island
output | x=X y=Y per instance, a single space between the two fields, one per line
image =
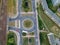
x=11 y=38
x=27 y=24
x=31 y=41
x=26 y=5
x=12 y=8
x=28 y=41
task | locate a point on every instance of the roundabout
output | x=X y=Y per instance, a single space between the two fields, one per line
x=27 y=24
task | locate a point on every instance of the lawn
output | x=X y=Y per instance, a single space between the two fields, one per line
x=26 y=5
x=31 y=33
x=11 y=38
x=25 y=41
x=40 y=24
x=49 y=23
x=11 y=7
x=28 y=41
x=32 y=41
x=50 y=5
x=44 y=39
x=28 y=23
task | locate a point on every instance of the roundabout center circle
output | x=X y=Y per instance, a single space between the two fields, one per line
x=27 y=24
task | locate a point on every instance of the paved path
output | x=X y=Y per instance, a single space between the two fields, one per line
x=28 y=36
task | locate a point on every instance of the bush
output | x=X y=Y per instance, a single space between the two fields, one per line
x=24 y=34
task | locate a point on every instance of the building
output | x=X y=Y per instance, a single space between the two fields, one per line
x=55 y=2
x=51 y=39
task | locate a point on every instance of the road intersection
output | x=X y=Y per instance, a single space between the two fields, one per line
x=21 y=18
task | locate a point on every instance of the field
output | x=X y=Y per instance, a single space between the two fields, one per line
x=49 y=23
x=11 y=8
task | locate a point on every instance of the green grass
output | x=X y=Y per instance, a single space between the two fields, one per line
x=31 y=33
x=27 y=23
x=40 y=24
x=11 y=5
x=24 y=8
x=11 y=38
x=49 y=23
x=32 y=42
x=25 y=41
x=50 y=5
x=44 y=39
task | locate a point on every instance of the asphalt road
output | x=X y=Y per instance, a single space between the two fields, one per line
x=33 y=18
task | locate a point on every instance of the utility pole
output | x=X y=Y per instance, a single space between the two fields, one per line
x=3 y=22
